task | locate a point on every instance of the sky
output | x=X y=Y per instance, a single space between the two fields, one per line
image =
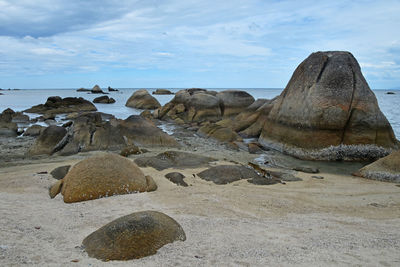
x=182 y=44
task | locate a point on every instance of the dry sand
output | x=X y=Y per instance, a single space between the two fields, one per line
x=339 y=220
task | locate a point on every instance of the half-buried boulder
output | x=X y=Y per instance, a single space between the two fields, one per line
x=102 y=176
x=173 y=159
x=328 y=112
x=224 y=174
x=47 y=141
x=176 y=178
x=384 y=169
x=234 y=101
x=220 y=133
x=134 y=236
x=141 y=99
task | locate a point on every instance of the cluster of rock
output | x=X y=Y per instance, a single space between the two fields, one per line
x=326 y=112
x=89 y=132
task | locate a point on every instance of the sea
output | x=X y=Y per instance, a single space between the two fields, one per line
x=22 y=99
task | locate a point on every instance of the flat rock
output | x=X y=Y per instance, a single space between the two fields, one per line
x=176 y=178
x=134 y=236
x=306 y=169
x=174 y=159
x=224 y=174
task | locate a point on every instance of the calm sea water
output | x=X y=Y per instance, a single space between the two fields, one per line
x=19 y=100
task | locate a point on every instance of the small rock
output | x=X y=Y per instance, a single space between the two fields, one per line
x=306 y=169
x=60 y=172
x=176 y=178
x=317 y=177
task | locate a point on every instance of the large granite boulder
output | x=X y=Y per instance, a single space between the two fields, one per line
x=233 y=102
x=174 y=159
x=102 y=176
x=8 y=128
x=328 y=112
x=134 y=236
x=58 y=105
x=143 y=132
x=141 y=99
x=47 y=141
x=384 y=169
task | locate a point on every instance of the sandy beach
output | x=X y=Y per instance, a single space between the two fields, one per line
x=338 y=220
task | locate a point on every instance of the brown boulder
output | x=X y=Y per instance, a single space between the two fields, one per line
x=328 y=112
x=234 y=101
x=220 y=133
x=102 y=176
x=134 y=236
x=104 y=100
x=96 y=90
x=34 y=130
x=384 y=169
x=141 y=99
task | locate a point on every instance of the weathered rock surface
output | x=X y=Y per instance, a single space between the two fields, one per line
x=58 y=105
x=47 y=141
x=104 y=100
x=384 y=169
x=130 y=150
x=90 y=132
x=224 y=174
x=102 y=176
x=134 y=236
x=176 y=178
x=162 y=92
x=234 y=101
x=173 y=159
x=34 y=130
x=7 y=127
x=220 y=133
x=60 y=172
x=199 y=105
x=141 y=99
x=328 y=112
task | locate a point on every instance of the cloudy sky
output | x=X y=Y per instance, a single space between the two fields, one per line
x=175 y=43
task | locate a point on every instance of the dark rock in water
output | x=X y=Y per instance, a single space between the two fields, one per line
x=47 y=140
x=34 y=130
x=141 y=99
x=102 y=176
x=306 y=169
x=162 y=92
x=390 y=93
x=173 y=159
x=176 y=178
x=104 y=100
x=83 y=90
x=112 y=89
x=224 y=174
x=130 y=150
x=233 y=102
x=384 y=169
x=57 y=105
x=60 y=172
x=328 y=112
x=134 y=236
x=96 y=90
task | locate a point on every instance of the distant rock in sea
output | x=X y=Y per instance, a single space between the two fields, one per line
x=97 y=90
x=58 y=105
x=141 y=99
x=328 y=112
x=104 y=100
x=390 y=93
x=111 y=89
x=83 y=90
x=162 y=92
